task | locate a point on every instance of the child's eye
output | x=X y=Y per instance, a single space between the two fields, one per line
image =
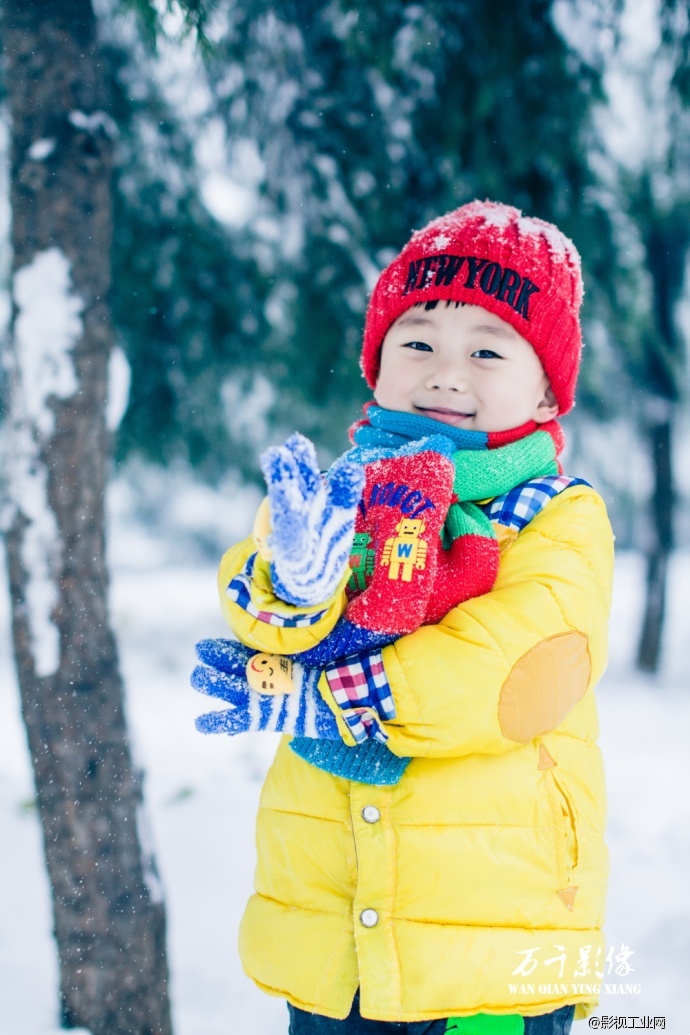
x=486 y=354
x=418 y=346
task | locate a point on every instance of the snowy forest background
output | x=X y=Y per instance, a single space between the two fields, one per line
x=267 y=160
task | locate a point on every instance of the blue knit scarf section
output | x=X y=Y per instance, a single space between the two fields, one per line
x=392 y=429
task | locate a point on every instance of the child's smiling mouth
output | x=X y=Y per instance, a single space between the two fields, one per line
x=444 y=414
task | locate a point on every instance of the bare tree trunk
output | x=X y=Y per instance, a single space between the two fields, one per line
x=666 y=238
x=108 y=910
x=649 y=647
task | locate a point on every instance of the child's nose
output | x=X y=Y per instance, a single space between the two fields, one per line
x=448 y=376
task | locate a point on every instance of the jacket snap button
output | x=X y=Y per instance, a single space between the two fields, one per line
x=370 y=814
x=368 y=918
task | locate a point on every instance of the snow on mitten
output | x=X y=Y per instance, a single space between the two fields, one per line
x=266 y=692
x=311 y=519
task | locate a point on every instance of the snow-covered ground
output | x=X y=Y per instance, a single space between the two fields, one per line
x=202 y=795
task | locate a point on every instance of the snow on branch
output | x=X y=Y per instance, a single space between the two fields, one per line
x=93 y=122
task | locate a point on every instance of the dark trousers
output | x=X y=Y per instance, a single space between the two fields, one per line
x=558 y=1022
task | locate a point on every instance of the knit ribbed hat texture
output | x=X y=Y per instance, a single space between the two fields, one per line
x=488 y=254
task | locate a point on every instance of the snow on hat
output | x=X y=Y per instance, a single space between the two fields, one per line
x=488 y=254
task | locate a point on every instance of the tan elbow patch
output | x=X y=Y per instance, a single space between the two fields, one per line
x=543 y=686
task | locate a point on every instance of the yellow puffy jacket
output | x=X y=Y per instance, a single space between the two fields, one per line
x=477 y=883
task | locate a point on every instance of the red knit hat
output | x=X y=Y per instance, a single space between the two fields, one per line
x=523 y=270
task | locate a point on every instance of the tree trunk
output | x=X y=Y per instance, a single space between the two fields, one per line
x=661 y=544
x=108 y=910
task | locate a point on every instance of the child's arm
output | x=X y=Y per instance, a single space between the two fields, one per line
x=506 y=667
x=262 y=620
x=282 y=589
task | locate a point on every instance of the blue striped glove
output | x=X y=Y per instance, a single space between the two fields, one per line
x=223 y=673
x=312 y=520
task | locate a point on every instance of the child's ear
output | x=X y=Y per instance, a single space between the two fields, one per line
x=548 y=407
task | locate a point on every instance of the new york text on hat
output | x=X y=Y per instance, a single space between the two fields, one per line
x=441 y=270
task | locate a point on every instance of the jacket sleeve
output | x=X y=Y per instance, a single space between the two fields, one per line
x=520 y=661
x=260 y=619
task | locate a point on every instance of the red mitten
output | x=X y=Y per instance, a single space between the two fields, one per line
x=397 y=541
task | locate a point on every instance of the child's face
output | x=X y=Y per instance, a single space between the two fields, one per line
x=463 y=366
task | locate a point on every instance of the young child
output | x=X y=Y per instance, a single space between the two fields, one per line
x=467 y=893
